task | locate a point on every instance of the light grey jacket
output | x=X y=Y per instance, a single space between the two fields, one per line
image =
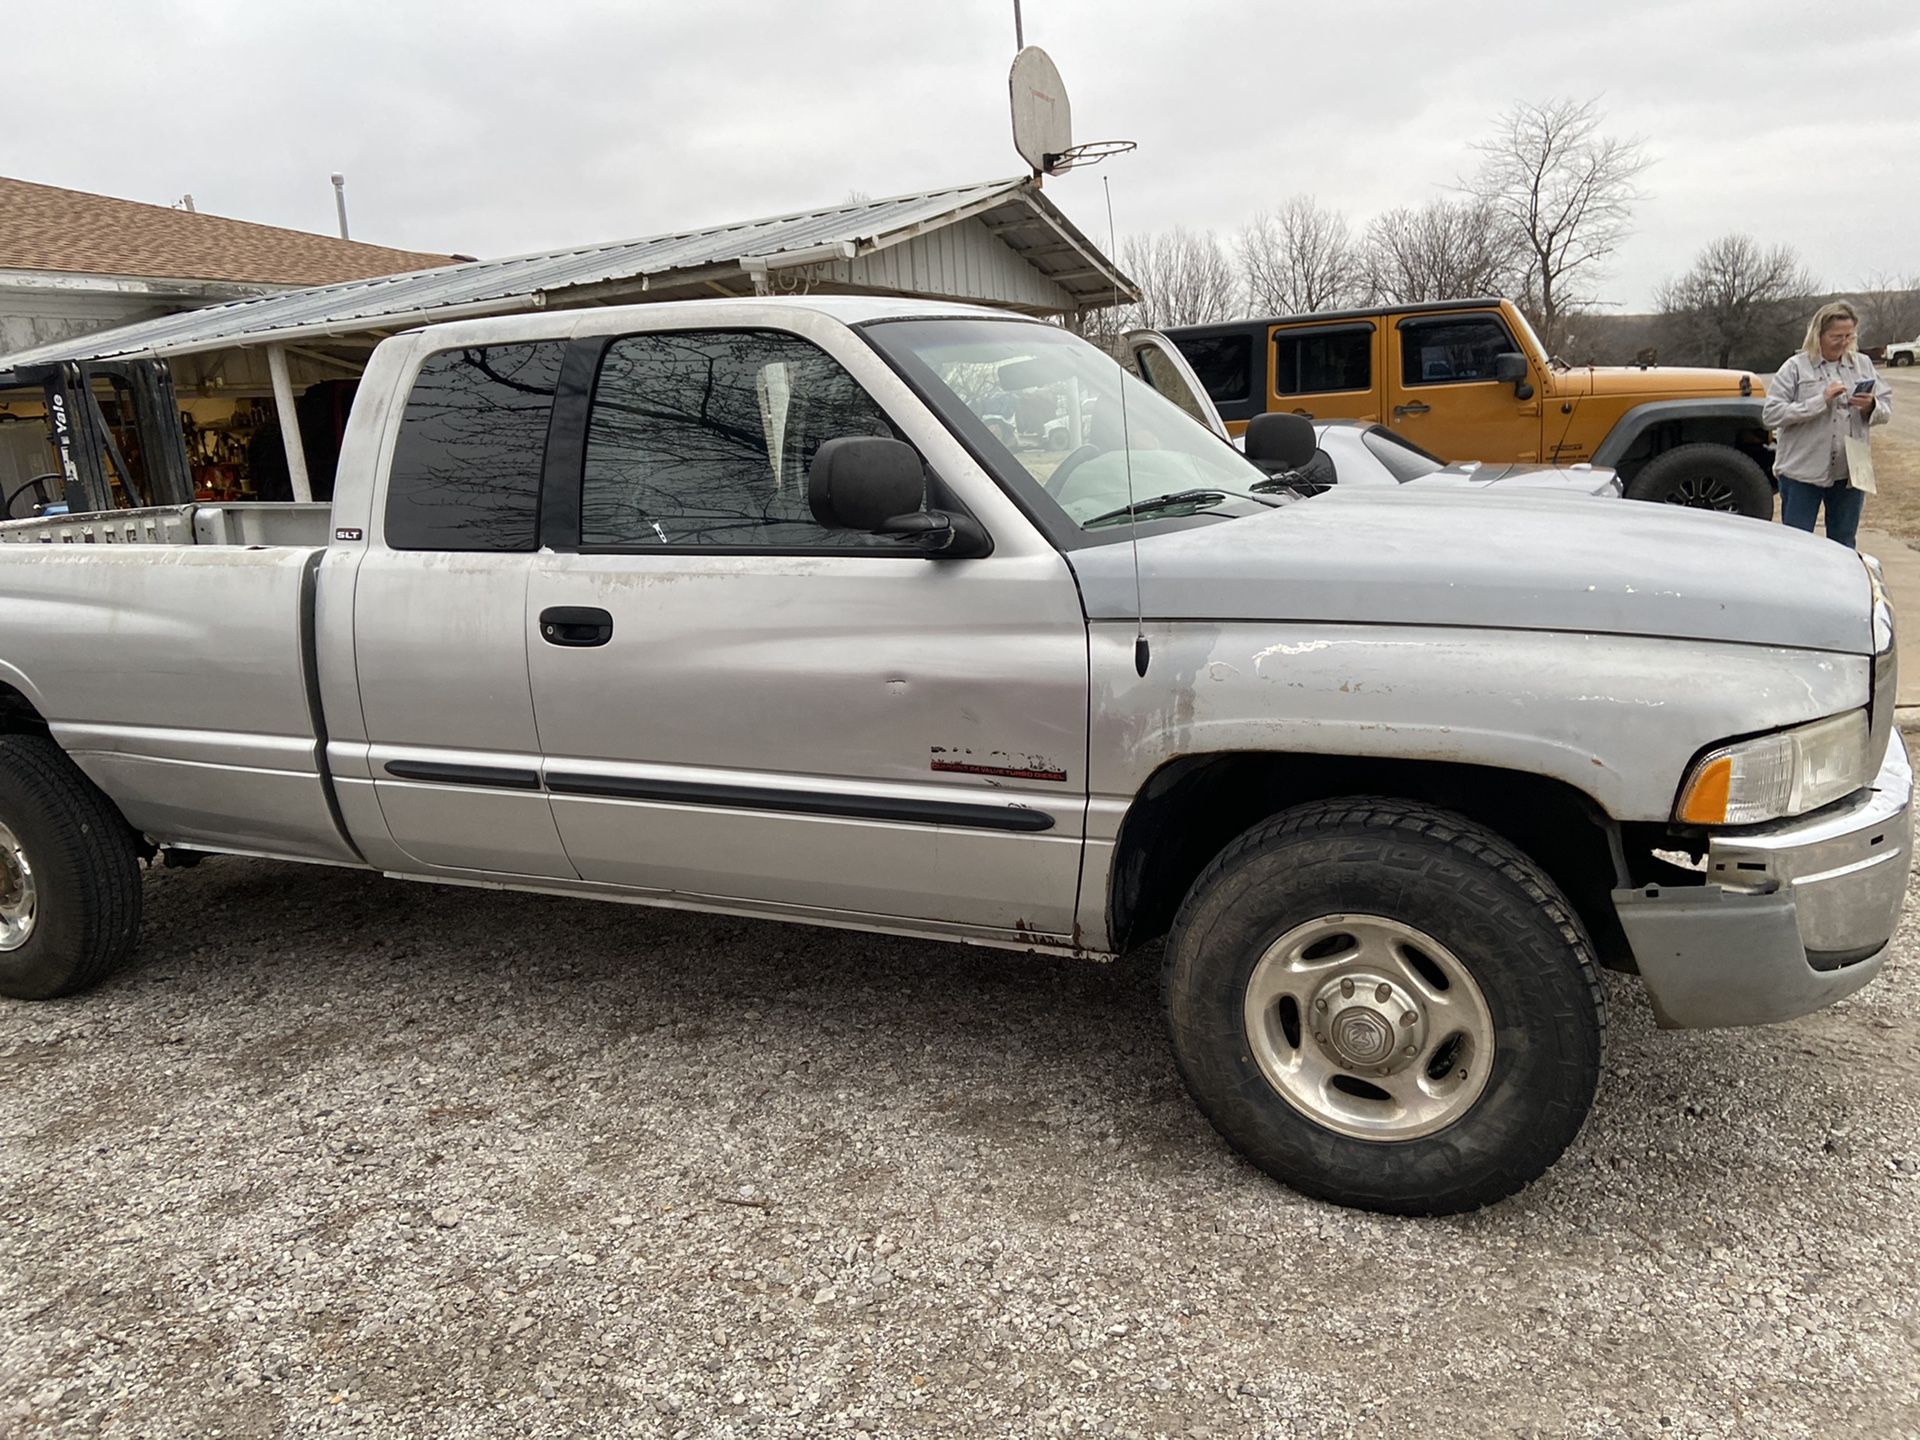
x=1810 y=431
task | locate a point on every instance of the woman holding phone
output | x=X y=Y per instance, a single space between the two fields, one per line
x=1825 y=395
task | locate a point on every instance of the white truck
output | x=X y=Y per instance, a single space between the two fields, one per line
x=1902 y=352
x=743 y=606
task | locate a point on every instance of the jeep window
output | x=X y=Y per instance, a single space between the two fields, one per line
x=1403 y=459
x=1451 y=351
x=1224 y=364
x=1042 y=409
x=1321 y=361
x=704 y=438
x=466 y=463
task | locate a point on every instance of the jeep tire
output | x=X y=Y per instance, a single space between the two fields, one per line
x=1384 y=1005
x=1705 y=476
x=69 y=876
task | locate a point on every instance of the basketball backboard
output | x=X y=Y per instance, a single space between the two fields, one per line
x=1042 y=119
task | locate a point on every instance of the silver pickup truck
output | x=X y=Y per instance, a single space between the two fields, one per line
x=747 y=607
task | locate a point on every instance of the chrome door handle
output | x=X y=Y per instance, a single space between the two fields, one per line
x=1417 y=408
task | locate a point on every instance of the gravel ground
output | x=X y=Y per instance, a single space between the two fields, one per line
x=350 y=1156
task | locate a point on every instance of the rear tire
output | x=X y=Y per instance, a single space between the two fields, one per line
x=69 y=875
x=1386 y=1006
x=1705 y=476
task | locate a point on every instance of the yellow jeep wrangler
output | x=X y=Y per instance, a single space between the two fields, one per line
x=1468 y=380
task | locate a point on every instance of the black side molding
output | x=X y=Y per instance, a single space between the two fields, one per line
x=804 y=802
x=495 y=777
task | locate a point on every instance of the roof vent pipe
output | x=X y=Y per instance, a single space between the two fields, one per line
x=340 y=203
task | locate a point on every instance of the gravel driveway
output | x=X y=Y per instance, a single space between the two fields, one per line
x=351 y=1156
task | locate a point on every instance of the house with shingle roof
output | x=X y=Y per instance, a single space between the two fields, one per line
x=72 y=262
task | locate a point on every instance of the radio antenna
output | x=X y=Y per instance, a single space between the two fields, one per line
x=1141 y=652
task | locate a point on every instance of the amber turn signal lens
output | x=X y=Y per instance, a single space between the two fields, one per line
x=1706 y=799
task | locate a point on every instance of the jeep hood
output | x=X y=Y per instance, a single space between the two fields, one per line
x=1654 y=382
x=1529 y=562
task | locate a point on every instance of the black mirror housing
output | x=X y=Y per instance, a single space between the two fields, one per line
x=1280 y=442
x=876 y=484
x=859 y=482
x=1510 y=367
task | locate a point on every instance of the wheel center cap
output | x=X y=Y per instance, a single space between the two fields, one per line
x=1368 y=1024
x=1362 y=1036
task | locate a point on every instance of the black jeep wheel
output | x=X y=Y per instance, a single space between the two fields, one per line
x=1705 y=476
x=1385 y=1005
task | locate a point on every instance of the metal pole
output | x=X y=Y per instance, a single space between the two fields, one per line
x=289 y=423
x=340 y=203
x=1019 y=38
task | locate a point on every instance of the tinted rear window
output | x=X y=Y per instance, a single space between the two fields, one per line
x=466 y=466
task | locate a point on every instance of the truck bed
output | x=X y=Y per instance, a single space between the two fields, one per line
x=250 y=523
x=178 y=673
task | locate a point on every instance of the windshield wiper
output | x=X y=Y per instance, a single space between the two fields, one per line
x=1206 y=495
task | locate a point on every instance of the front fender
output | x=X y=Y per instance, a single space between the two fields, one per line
x=1628 y=429
x=1616 y=718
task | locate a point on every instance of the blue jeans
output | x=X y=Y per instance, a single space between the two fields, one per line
x=1800 y=507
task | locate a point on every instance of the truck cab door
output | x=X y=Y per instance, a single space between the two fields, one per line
x=1445 y=396
x=746 y=709
x=450 y=758
x=1158 y=361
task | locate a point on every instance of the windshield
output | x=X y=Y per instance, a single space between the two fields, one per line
x=1049 y=406
x=1404 y=460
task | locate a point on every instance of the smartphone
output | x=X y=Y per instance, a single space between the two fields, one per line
x=1865 y=387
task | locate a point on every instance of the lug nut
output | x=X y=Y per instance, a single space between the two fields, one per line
x=1410 y=1051
x=1408 y=1018
x=1346 y=987
x=1319 y=1004
x=1382 y=991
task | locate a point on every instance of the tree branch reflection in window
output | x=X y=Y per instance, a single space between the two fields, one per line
x=466 y=465
x=704 y=438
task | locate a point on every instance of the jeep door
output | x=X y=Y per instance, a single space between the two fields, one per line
x=1326 y=370
x=1443 y=393
x=739 y=704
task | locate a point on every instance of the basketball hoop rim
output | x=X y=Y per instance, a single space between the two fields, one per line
x=1091 y=153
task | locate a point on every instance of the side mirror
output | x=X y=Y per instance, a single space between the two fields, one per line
x=1511 y=368
x=1280 y=442
x=872 y=483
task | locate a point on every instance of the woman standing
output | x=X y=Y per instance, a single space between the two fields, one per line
x=1825 y=394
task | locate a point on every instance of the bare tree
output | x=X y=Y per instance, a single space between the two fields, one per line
x=1442 y=251
x=1736 y=301
x=1300 y=258
x=1184 y=279
x=1568 y=190
x=1889 y=308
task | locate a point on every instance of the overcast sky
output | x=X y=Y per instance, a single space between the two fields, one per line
x=491 y=127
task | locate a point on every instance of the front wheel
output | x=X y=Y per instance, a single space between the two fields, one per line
x=1903 y=360
x=1386 y=1006
x=1705 y=476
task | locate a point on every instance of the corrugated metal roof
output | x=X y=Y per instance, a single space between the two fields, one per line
x=1012 y=208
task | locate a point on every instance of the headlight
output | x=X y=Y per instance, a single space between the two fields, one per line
x=1787 y=773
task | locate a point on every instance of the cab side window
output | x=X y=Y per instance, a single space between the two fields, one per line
x=1451 y=351
x=467 y=460
x=1323 y=360
x=702 y=438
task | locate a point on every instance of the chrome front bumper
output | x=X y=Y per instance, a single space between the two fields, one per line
x=1793 y=916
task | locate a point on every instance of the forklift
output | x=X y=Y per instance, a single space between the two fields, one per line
x=135 y=459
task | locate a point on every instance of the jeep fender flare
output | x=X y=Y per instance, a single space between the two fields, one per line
x=1636 y=422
